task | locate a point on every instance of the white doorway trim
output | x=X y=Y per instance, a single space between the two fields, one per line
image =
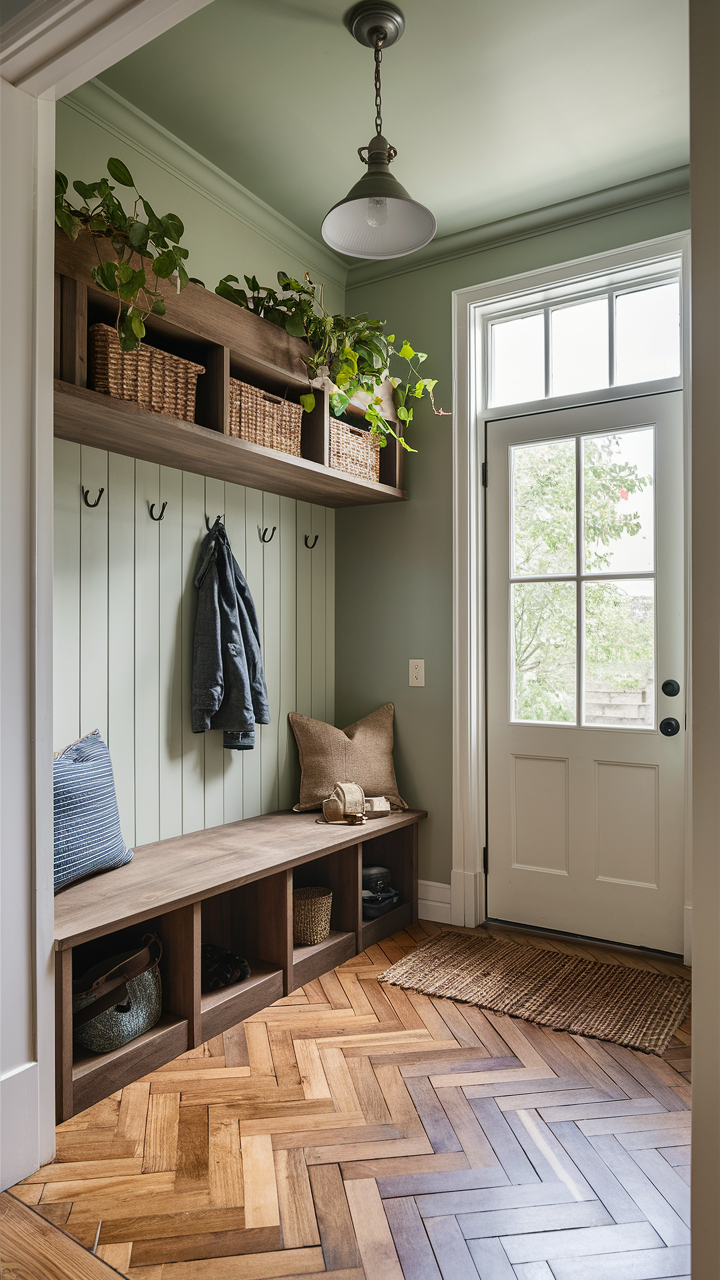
x=469 y=306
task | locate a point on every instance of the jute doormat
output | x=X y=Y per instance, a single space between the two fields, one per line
x=632 y=1007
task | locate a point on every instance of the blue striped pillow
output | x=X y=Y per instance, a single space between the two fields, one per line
x=87 y=823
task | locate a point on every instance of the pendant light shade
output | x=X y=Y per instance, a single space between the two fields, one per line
x=377 y=218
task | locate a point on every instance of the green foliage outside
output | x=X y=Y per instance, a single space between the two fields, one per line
x=619 y=627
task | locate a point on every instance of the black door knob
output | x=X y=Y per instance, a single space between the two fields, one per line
x=670 y=688
x=669 y=726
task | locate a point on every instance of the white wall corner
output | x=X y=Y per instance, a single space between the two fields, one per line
x=466 y=898
x=687 y=933
x=434 y=901
x=19 y=1114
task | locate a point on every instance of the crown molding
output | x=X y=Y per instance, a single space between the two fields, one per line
x=99 y=103
x=554 y=217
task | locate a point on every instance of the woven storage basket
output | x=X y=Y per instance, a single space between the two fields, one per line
x=257 y=416
x=311 y=915
x=158 y=381
x=354 y=450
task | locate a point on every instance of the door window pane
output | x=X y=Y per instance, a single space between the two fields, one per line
x=647 y=334
x=517 y=358
x=543 y=660
x=619 y=632
x=579 y=350
x=543 y=508
x=618 y=502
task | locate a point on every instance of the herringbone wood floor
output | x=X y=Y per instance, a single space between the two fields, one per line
x=376 y=1134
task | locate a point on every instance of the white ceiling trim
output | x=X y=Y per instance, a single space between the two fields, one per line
x=103 y=106
x=554 y=217
x=52 y=46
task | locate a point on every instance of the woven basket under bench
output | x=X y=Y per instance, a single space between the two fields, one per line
x=265 y=419
x=156 y=380
x=354 y=450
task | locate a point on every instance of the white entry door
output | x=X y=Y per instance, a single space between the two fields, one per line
x=585 y=635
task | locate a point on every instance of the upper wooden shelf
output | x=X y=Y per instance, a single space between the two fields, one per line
x=229 y=342
x=169 y=874
x=123 y=427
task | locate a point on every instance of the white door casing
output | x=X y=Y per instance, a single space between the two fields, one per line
x=586 y=822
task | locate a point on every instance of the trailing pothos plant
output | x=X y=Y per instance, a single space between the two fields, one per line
x=155 y=239
x=353 y=352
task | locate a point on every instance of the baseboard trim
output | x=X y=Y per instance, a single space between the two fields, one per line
x=434 y=901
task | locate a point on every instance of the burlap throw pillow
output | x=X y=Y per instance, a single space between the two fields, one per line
x=362 y=753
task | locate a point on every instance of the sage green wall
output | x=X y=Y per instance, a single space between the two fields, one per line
x=394 y=564
x=226 y=229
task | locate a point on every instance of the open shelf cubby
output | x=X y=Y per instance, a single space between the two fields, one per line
x=227 y=341
x=231 y=885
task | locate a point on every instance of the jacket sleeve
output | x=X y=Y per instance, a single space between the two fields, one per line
x=207 y=676
x=253 y=652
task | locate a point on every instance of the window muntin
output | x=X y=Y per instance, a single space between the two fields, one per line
x=582 y=580
x=620 y=336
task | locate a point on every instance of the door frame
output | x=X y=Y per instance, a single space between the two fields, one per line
x=470 y=306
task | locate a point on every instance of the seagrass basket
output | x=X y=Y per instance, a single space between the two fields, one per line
x=354 y=450
x=265 y=419
x=311 y=915
x=156 y=380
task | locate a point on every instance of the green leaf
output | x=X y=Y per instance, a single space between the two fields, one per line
x=164 y=265
x=120 y=172
x=184 y=277
x=391 y=337
x=61 y=183
x=339 y=402
x=403 y=414
x=139 y=234
x=406 y=352
x=308 y=403
x=420 y=356
x=158 y=307
x=431 y=384
x=294 y=324
x=174 y=229
x=105 y=276
x=85 y=190
x=137 y=324
x=194 y=280
x=65 y=220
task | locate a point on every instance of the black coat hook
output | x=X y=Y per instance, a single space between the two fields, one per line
x=263 y=532
x=310 y=545
x=207 y=522
x=86 y=496
x=162 y=511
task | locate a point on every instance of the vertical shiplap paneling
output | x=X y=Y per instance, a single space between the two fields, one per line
x=124 y=623
x=288 y=771
x=193 y=744
x=267 y=736
x=303 y=628
x=214 y=753
x=66 y=603
x=170 y=530
x=318 y=637
x=121 y=635
x=330 y=615
x=254 y=554
x=234 y=761
x=147 y=675
x=93 y=593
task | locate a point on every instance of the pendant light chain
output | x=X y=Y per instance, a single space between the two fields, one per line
x=378 y=43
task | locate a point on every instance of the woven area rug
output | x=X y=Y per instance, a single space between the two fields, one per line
x=632 y=1007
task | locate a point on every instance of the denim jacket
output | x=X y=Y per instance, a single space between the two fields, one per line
x=228 y=682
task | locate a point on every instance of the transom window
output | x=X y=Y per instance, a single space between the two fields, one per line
x=582 y=575
x=620 y=337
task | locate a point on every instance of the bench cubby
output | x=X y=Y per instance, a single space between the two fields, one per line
x=231 y=885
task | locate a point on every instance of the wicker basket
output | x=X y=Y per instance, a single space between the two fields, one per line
x=257 y=416
x=354 y=450
x=158 y=381
x=311 y=915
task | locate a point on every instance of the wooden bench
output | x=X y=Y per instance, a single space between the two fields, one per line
x=231 y=885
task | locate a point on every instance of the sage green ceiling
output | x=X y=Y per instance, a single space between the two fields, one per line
x=495 y=108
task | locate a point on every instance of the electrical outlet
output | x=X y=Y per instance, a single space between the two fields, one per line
x=417 y=672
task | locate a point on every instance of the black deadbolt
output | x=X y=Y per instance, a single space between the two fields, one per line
x=670 y=688
x=670 y=726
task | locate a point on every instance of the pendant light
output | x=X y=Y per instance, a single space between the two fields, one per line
x=377 y=218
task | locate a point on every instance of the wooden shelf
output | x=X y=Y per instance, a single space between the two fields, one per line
x=95 y=1075
x=224 y=1008
x=87 y=417
x=374 y=930
x=310 y=962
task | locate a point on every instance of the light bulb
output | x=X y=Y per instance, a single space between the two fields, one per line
x=377 y=211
